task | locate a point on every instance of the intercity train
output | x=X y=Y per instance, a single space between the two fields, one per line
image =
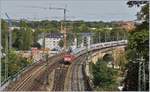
x=72 y=54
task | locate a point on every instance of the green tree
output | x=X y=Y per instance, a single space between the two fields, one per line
x=61 y=43
x=83 y=28
x=27 y=39
x=15 y=63
x=23 y=38
x=18 y=43
x=4 y=32
x=102 y=75
x=138 y=42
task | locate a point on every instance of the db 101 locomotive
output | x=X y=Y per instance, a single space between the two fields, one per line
x=68 y=58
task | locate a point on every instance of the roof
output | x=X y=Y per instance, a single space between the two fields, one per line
x=54 y=35
x=86 y=34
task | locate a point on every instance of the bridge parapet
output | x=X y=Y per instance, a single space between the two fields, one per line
x=83 y=50
x=115 y=52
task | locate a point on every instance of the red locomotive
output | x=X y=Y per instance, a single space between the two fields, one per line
x=68 y=58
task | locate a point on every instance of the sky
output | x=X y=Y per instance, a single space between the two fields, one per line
x=88 y=10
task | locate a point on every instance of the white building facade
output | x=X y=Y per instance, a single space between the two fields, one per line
x=51 y=40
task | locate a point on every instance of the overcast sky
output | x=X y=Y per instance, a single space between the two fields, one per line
x=89 y=10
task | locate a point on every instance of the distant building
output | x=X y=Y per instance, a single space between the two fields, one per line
x=18 y=28
x=108 y=28
x=51 y=40
x=127 y=25
x=12 y=28
x=93 y=28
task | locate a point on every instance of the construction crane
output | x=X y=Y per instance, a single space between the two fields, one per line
x=9 y=30
x=63 y=26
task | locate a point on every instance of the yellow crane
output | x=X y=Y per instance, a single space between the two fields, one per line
x=63 y=26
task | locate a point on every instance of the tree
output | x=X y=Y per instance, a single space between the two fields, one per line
x=83 y=28
x=23 y=38
x=138 y=42
x=15 y=64
x=18 y=43
x=102 y=75
x=27 y=39
x=4 y=34
x=61 y=43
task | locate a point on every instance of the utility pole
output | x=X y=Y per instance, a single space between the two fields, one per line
x=141 y=74
x=99 y=37
x=61 y=26
x=87 y=42
x=6 y=57
x=75 y=40
x=141 y=71
x=65 y=32
x=7 y=35
x=0 y=53
x=105 y=37
x=117 y=36
x=10 y=31
x=65 y=39
x=124 y=36
x=108 y=36
x=43 y=42
x=45 y=58
x=86 y=45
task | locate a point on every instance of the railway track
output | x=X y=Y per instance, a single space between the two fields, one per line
x=27 y=79
x=40 y=81
x=75 y=78
x=77 y=75
x=59 y=77
x=34 y=78
x=22 y=85
x=42 y=77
